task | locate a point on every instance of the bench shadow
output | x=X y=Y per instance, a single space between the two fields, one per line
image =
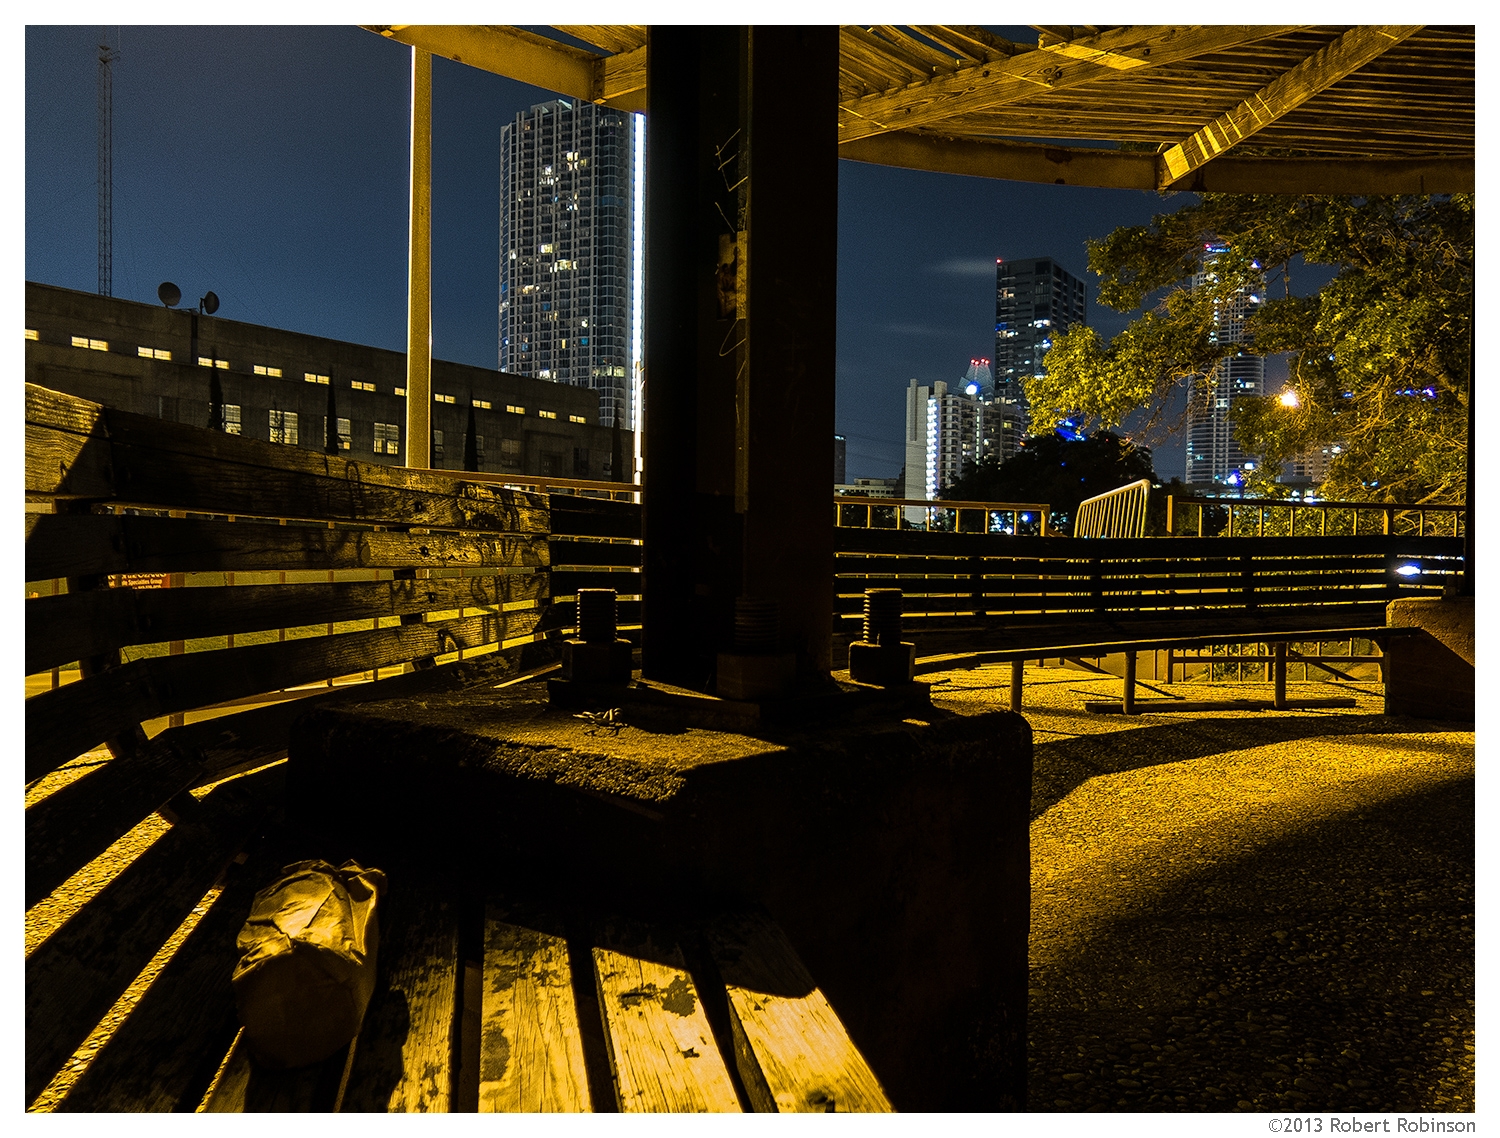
x=1331 y=970
x=1062 y=765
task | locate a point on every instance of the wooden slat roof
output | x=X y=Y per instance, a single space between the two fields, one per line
x=1243 y=108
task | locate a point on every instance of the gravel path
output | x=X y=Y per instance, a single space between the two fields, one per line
x=1246 y=910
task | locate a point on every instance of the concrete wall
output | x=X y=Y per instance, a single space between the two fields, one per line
x=178 y=389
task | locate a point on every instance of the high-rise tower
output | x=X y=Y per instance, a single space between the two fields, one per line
x=1213 y=454
x=567 y=250
x=1035 y=300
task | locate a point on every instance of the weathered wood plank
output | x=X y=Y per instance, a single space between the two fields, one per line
x=169 y=1047
x=573 y=516
x=403 y=1059
x=800 y=1051
x=531 y=1049
x=144 y=461
x=245 y=1088
x=1102 y=57
x=75 y=976
x=1285 y=93
x=66 y=721
x=72 y=626
x=75 y=545
x=68 y=829
x=661 y=1046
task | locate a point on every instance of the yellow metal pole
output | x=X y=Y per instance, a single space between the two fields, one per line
x=419 y=273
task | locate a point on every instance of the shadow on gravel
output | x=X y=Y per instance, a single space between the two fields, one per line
x=1062 y=765
x=1331 y=971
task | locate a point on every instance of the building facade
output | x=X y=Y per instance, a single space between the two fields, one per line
x=1035 y=299
x=568 y=248
x=947 y=431
x=286 y=387
x=1214 y=457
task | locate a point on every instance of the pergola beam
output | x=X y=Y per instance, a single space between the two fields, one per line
x=1286 y=93
x=615 y=80
x=980 y=86
x=1126 y=170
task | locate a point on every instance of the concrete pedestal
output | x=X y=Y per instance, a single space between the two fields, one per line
x=893 y=853
x=1431 y=676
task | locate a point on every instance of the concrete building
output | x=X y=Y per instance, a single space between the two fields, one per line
x=568 y=250
x=840 y=459
x=869 y=488
x=1035 y=299
x=265 y=383
x=1214 y=458
x=946 y=431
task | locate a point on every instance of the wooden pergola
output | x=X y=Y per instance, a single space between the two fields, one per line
x=1235 y=108
x=738 y=391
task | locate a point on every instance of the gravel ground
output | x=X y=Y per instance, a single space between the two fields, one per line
x=1247 y=911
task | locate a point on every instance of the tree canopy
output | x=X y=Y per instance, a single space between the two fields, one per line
x=1060 y=472
x=1379 y=358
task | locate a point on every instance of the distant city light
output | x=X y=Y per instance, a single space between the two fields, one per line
x=972 y=389
x=1408 y=570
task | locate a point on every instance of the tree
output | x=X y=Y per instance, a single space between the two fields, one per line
x=1379 y=357
x=1059 y=472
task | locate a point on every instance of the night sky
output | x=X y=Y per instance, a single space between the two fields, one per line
x=269 y=164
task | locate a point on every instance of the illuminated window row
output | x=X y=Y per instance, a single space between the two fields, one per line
x=515 y=409
x=96 y=345
x=547 y=414
x=482 y=404
x=314 y=377
x=361 y=385
x=577 y=419
x=262 y=369
x=153 y=353
x=387 y=438
x=209 y=361
x=438 y=397
x=31 y=334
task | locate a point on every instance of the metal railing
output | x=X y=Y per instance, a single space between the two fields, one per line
x=1024 y=519
x=1115 y=513
x=1234 y=517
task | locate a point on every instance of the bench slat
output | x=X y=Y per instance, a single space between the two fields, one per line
x=74 y=626
x=244 y=1088
x=566 y=552
x=789 y=1041
x=403 y=1058
x=63 y=723
x=75 y=976
x=69 y=545
x=170 y=1045
x=593 y=517
x=115 y=455
x=661 y=1047
x=69 y=828
x=531 y=1049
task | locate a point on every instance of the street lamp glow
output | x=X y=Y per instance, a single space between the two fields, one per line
x=1289 y=399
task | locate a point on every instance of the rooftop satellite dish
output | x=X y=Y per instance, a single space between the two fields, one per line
x=209 y=303
x=168 y=293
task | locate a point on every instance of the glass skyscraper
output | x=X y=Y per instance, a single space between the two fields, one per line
x=567 y=250
x=1035 y=299
x=1213 y=455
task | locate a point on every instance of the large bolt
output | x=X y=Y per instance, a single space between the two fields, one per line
x=883 y=617
x=596 y=616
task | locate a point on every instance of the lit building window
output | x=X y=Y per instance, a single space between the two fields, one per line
x=31 y=334
x=438 y=397
x=209 y=361
x=482 y=404
x=96 y=345
x=515 y=409
x=153 y=353
x=400 y=391
x=284 y=427
x=510 y=452
x=314 y=377
x=547 y=414
x=262 y=369
x=361 y=385
x=577 y=419
x=387 y=438
x=437 y=444
x=231 y=418
x=343 y=432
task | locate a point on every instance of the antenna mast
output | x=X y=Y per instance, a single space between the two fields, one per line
x=106 y=170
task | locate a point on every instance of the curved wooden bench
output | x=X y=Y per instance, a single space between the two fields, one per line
x=211 y=590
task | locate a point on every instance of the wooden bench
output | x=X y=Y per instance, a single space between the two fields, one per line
x=211 y=590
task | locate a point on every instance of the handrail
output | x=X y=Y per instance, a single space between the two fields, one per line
x=1390 y=513
x=902 y=510
x=1115 y=513
x=580 y=486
